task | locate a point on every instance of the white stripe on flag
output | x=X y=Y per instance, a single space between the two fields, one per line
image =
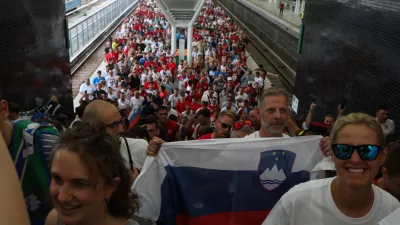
x=225 y=154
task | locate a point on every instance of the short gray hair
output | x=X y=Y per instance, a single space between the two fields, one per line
x=272 y=92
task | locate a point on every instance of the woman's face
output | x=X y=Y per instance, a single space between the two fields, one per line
x=78 y=194
x=355 y=172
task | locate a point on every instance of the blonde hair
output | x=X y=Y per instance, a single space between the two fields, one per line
x=359 y=119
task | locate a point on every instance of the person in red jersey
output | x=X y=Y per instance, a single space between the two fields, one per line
x=223 y=126
x=168 y=128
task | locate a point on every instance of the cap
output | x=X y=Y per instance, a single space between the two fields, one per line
x=229 y=78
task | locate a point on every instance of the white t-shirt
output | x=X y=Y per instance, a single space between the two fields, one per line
x=123 y=104
x=136 y=103
x=392 y=219
x=388 y=127
x=312 y=203
x=88 y=88
x=259 y=80
x=138 y=148
x=256 y=134
x=111 y=80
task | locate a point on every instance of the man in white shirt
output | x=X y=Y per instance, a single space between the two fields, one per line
x=259 y=79
x=171 y=111
x=274 y=114
x=208 y=95
x=241 y=96
x=110 y=93
x=86 y=87
x=229 y=107
x=123 y=103
x=174 y=98
x=136 y=100
x=387 y=125
x=111 y=78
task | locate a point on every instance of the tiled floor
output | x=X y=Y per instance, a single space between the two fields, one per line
x=272 y=6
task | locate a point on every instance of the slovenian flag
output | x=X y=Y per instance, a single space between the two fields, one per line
x=223 y=181
x=134 y=117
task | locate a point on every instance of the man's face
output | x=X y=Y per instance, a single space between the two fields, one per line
x=113 y=121
x=223 y=126
x=162 y=115
x=329 y=120
x=274 y=114
x=382 y=115
x=152 y=130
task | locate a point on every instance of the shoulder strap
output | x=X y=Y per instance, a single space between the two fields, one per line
x=129 y=153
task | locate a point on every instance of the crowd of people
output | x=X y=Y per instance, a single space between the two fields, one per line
x=79 y=168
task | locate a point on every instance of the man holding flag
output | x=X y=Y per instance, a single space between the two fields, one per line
x=231 y=181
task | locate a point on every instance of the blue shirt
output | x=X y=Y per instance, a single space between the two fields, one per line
x=97 y=80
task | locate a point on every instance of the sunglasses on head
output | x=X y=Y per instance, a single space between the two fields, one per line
x=239 y=125
x=366 y=152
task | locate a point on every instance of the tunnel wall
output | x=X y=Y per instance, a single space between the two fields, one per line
x=34 y=59
x=351 y=53
x=277 y=39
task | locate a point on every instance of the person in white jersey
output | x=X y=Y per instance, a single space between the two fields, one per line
x=358 y=150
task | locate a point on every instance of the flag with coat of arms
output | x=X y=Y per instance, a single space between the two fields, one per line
x=223 y=181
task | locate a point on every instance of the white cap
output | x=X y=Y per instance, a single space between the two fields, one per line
x=229 y=78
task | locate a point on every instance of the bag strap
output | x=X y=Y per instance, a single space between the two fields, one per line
x=129 y=153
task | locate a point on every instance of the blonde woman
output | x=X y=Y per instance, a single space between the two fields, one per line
x=358 y=151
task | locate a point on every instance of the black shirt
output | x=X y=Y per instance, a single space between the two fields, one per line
x=134 y=82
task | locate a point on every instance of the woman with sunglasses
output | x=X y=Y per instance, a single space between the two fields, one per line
x=90 y=183
x=358 y=147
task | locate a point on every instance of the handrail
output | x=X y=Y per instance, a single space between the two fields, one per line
x=81 y=7
x=82 y=35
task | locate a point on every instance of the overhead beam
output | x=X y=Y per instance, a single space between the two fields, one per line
x=166 y=13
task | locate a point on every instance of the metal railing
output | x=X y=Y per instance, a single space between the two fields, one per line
x=84 y=33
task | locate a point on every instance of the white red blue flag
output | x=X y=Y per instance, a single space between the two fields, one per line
x=225 y=181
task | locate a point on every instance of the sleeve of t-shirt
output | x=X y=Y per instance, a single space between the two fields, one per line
x=278 y=215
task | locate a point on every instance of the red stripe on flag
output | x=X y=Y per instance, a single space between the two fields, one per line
x=133 y=122
x=227 y=218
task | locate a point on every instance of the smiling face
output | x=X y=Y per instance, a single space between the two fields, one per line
x=78 y=194
x=356 y=173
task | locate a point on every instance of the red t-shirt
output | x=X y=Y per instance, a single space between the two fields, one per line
x=171 y=129
x=206 y=136
x=195 y=107
x=172 y=67
x=143 y=94
x=180 y=107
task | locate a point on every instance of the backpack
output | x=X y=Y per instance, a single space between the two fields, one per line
x=30 y=149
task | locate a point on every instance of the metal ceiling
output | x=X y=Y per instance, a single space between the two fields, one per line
x=181 y=11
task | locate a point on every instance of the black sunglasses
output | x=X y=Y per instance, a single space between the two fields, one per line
x=366 y=152
x=117 y=123
x=224 y=125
